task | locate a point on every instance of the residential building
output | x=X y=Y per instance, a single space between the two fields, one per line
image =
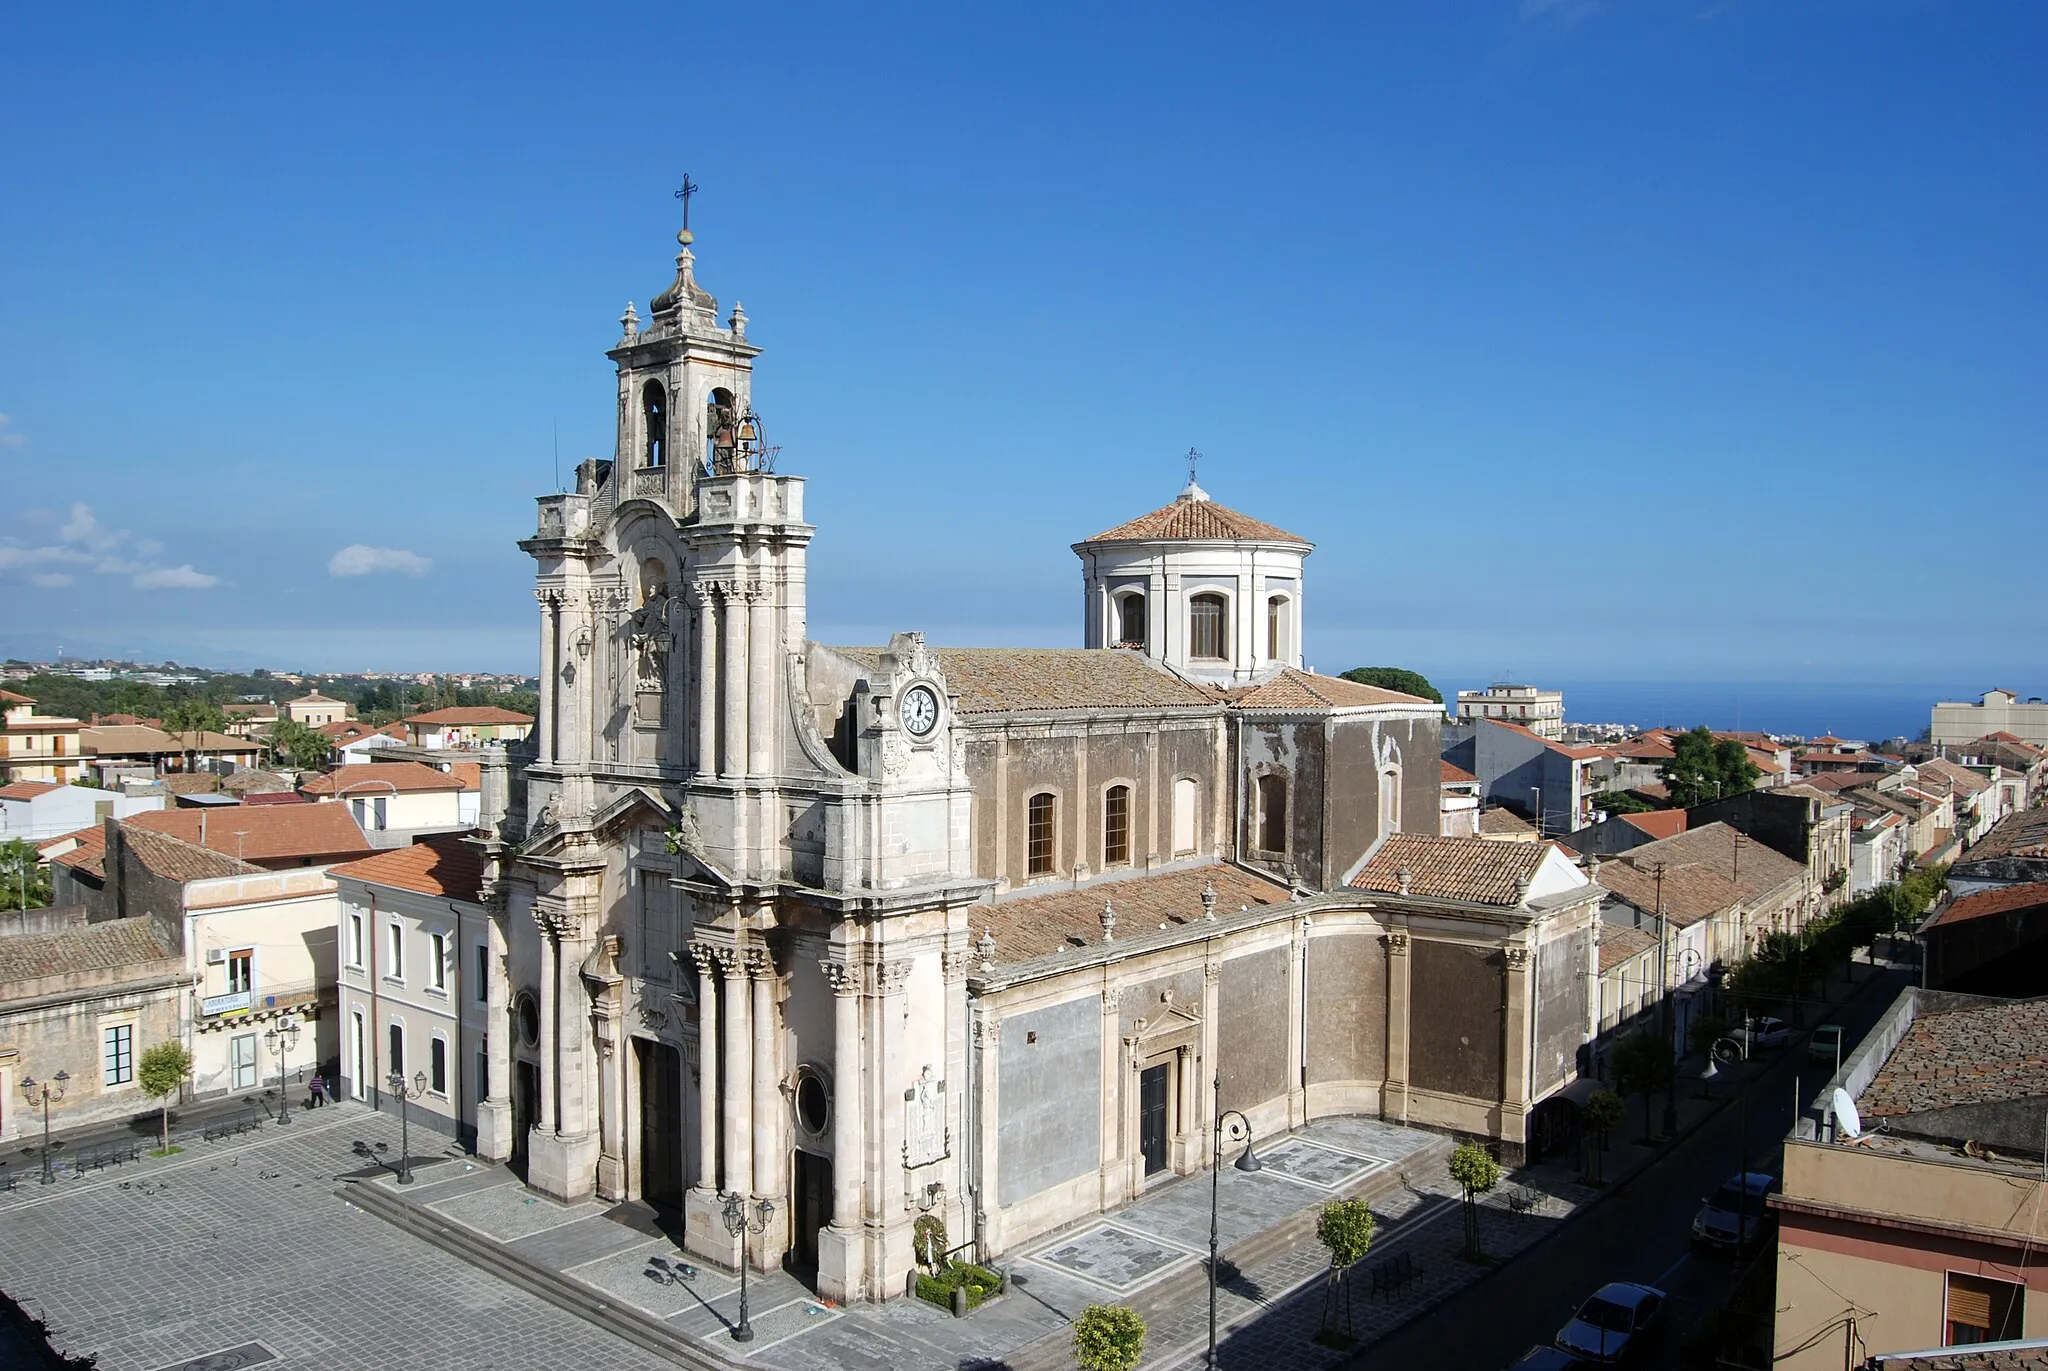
x=2012 y=853
x=1611 y=837
x=1880 y=849
x=394 y=802
x=315 y=710
x=1629 y=981
x=1552 y=783
x=355 y=741
x=38 y=747
x=35 y=810
x=1919 y=1222
x=1539 y=711
x=118 y=750
x=1812 y=826
x=250 y=720
x=1460 y=802
x=2025 y=766
x=2000 y=711
x=467 y=727
x=1974 y=793
x=1993 y=942
x=82 y=1001
x=422 y=981
x=273 y=837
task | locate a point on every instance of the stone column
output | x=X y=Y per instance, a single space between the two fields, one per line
x=842 y=1254
x=1297 y=1024
x=494 y=1115
x=739 y=1072
x=550 y=668
x=767 y=1095
x=732 y=674
x=1514 y=1108
x=707 y=1068
x=889 y=1237
x=550 y=1075
x=1394 y=1100
x=762 y=716
x=707 y=681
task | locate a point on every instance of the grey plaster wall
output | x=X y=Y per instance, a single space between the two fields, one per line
x=1143 y=1001
x=1561 y=991
x=1454 y=1031
x=1347 y=1008
x=1049 y=1093
x=1251 y=1013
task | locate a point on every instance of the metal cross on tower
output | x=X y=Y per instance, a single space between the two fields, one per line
x=1193 y=457
x=683 y=194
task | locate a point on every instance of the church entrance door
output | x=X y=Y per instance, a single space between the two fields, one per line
x=661 y=1124
x=525 y=1109
x=812 y=1187
x=1152 y=1117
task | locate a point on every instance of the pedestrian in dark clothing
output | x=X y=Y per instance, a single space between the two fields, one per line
x=317 y=1088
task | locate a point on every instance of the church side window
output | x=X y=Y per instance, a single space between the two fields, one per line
x=654 y=414
x=1205 y=627
x=1038 y=835
x=1116 y=825
x=1390 y=800
x=1184 y=797
x=1130 y=615
x=1276 y=627
x=1272 y=813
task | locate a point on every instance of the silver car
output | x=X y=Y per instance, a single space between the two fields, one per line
x=1733 y=1217
x=1614 y=1325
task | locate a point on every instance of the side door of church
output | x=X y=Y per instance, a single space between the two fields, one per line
x=1152 y=1117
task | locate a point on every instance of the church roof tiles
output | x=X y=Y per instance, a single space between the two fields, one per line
x=998 y=680
x=1196 y=520
x=1475 y=869
x=1031 y=926
x=1292 y=689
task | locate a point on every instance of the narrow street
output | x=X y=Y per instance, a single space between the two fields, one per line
x=1640 y=1233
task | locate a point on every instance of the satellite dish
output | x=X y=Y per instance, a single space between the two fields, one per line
x=1846 y=1118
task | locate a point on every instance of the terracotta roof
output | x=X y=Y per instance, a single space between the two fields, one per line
x=28 y=790
x=994 y=680
x=2002 y=900
x=248 y=780
x=471 y=714
x=1983 y=1054
x=105 y=946
x=1028 y=925
x=1452 y=774
x=124 y=721
x=316 y=698
x=268 y=835
x=2023 y=1354
x=1504 y=823
x=1619 y=942
x=1642 y=749
x=368 y=782
x=1702 y=873
x=174 y=859
x=2024 y=834
x=90 y=854
x=1651 y=790
x=1195 y=520
x=1471 y=869
x=2014 y=741
x=43 y=723
x=1658 y=823
x=9 y=697
x=250 y=711
x=191 y=783
x=1960 y=779
x=443 y=864
x=1292 y=689
x=136 y=739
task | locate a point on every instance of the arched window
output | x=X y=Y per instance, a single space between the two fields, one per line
x=1038 y=835
x=1185 y=797
x=1130 y=621
x=721 y=431
x=654 y=422
x=1116 y=825
x=1205 y=627
x=1276 y=628
x=1273 y=813
x=1390 y=800
x=396 y=1061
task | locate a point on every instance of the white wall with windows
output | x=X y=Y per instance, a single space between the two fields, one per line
x=261 y=951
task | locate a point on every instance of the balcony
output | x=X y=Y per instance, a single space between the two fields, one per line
x=261 y=1003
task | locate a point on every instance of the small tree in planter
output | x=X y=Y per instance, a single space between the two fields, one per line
x=1474 y=1168
x=161 y=1070
x=1108 y=1337
x=1604 y=1110
x=1345 y=1228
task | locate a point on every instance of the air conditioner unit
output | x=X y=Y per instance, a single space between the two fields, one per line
x=216 y=955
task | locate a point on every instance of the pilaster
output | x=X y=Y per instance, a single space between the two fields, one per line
x=1394 y=1101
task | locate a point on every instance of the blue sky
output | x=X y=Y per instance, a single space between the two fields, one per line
x=1585 y=338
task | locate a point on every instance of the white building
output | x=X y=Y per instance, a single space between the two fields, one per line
x=2000 y=711
x=1539 y=711
x=395 y=801
x=35 y=810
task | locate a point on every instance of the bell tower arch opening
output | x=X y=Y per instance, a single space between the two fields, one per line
x=654 y=424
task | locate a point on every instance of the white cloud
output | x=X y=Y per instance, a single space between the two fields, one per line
x=360 y=559
x=8 y=439
x=175 y=578
x=84 y=542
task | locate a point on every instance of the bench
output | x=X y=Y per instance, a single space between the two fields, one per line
x=1524 y=1198
x=103 y=1155
x=1395 y=1273
x=228 y=1125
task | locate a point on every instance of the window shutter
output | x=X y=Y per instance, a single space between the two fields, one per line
x=1966 y=1305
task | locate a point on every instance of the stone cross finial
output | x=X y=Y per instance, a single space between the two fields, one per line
x=737 y=322
x=629 y=322
x=1522 y=891
x=1209 y=901
x=1404 y=878
x=985 y=947
x=1108 y=922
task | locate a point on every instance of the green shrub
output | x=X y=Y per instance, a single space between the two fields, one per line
x=1109 y=1337
x=978 y=1281
x=1345 y=1227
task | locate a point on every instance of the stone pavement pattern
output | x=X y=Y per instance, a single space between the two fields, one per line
x=154 y=1263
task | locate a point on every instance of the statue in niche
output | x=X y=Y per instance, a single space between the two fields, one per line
x=924 y=1121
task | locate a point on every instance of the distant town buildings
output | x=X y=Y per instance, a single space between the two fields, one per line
x=1539 y=711
x=2000 y=711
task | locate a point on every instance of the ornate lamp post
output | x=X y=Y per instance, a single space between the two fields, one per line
x=42 y=1092
x=397 y=1086
x=281 y=1040
x=741 y=1221
x=1739 y=1052
x=1231 y=1127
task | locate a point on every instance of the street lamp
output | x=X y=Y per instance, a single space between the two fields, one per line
x=396 y=1084
x=43 y=1092
x=741 y=1221
x=1707 y=1079
x=1231 y=1127
x=281 y=1040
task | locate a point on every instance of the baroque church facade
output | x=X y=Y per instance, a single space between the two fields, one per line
x=991 y=934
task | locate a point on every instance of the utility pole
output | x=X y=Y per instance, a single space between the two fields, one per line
x=1664 y=1002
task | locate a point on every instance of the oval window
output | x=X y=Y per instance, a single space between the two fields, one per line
x=813 y=1108
x=529 y=1020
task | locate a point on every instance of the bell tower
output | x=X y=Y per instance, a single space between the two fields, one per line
x=685 y=386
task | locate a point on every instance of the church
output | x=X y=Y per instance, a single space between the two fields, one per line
x=875 y=932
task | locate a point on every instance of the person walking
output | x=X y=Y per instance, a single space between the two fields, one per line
x=317 y=1089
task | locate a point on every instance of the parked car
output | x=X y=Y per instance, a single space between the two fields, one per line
x=1547 y=1359
x=1827 y=1044
x=1733 y=1218
x=1614 y=1325
x=1759 y=1035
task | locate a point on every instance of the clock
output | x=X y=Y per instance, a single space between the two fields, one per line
x=920 y=710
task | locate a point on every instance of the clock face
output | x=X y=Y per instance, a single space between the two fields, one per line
x=920 y=710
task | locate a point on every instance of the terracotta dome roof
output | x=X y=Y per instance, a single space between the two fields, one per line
x=1194 y=517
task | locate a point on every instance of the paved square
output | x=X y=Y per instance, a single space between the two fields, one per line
x=1325 y=1168
x=1113 y=1257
